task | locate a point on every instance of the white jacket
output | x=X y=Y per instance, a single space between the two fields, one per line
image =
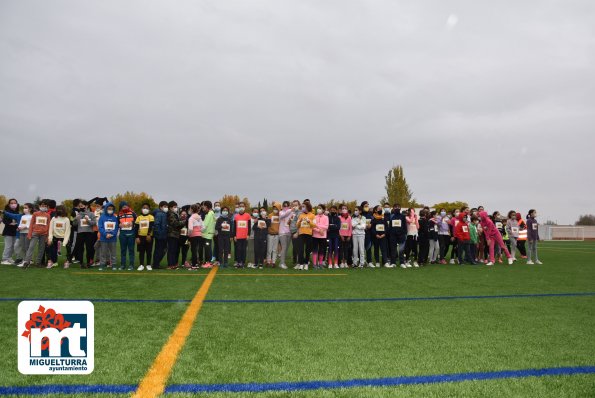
x=359 y=225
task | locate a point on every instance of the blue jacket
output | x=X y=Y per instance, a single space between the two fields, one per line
x=104 y=221
x=160 y=225
x=16 y=217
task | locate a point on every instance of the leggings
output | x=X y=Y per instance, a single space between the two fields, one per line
x=54 y=251
x=304 y=248
x=318 y=250
x=84 y=242
x=172 y=251
x=444 y=242
x=345 y=252
x=260 y=251
x=224 y=246
x=241 y=246
x=144 y=248
x=183 y=248
x=380 y=247
x=411 y=247
x=333 y=250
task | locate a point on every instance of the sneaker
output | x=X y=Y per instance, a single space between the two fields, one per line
x=149 y=268
x=50 y=265
x=187 y=264
x=121 y=268
x=282 y=266
x=408 y=265
x=131 y=268
x=305 y=267
x=100 y=268
x=209 y=265
x=523 y=256
x=415 y=264
x=7 y=262
x=490 y=263
x=500 y=261
x=66 y=265
x=387 y=265
x=510 y=261
x=530 y=262
x=377 y=265
x=76 y=262
x=172 y=267
x=336 y=266
x=403 y=266
x=452 y=261
x=538 y=262
x=371 y=265
x=206 y=266
x=297 y=266
x=141 y=267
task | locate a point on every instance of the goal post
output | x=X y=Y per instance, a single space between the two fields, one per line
x=568 y=233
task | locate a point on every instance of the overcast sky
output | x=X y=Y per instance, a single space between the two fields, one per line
x=491 y=102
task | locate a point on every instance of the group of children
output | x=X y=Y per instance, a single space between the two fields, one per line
x=336 y=237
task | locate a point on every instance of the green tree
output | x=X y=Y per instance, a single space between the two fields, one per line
x=351 y=204
x=397 y=189
x=450 y=206
x=586 y=219
x=3 y=202
x=135 y=200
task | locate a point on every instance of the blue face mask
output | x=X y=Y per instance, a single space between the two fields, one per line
x=224 y=213
x=442 y=213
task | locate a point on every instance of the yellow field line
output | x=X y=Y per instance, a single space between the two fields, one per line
x=192 y=274
x=153 y=384
x=566 y=250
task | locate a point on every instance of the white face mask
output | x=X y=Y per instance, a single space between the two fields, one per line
x=174 y=209
x=318 y=211
x=255 y=215
x=145 y=211
x=44 y=209
x=110 y=212
x=165 y=209
x=217 y=209
x=263 y=213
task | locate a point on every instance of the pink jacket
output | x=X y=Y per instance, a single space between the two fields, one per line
x=412 y=223
x=489 y=229
x=345 y=230
x=284 y=221
x=321 y=226
x=194 y=226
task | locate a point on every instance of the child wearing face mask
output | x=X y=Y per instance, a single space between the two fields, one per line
x=174 y=225
x=144 y=225
x=379 y=228
x=345 y=234
x=242 y=225
x=284 y=232
x=273 y=236
x=512 y=230
x=305 y=223
x=38 y=234
x=208 y=232
x=358 y=224
x=85 y=237
x=412 y=233
x=261 y=230
x=215 y=260
x=493 y=237
x=319 y=232
x=10 y=231
x=423 y=237
x=434 y=251
x=454 y=220
x=532 y=237
x=500 y=227
x=23 y=221
x=59 y=234
x=293 y=228
x=250 y=248
x=183 y=241
x=195 y=226
x=108 y=232
x=334 y=225
x=224 y=233
x=126 y=222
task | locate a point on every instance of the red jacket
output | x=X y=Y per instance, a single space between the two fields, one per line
x=40 y=224
x=462 y=228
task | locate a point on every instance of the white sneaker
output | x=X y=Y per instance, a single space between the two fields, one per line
x=530 y=262
x=490 y=263
x=415 y=264
x=403 y=266
x=141 y=267
x=510 y=261
x=408 y=265
x=282 y=266
x=305 y=267
x=149 y=268
x=7 y=262
x=538 y=262
x=299 y=267
x=452 y=260
x=386 y=265
x=377 y=265
x=370 y=265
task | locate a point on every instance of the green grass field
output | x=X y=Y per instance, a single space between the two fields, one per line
x=289 y=341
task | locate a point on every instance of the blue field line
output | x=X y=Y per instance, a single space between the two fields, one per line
x=338 y=300
x=301 y=385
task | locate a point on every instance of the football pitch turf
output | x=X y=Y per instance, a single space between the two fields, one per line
x=436 y=331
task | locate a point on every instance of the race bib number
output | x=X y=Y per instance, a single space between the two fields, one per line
x=109 y=225
x=144 y=224
x=41 y=221
x=23 y=222
x=515 y=230
x=127 y=226
x=275 y=219
x=305 y=224
x=368 y=221
x=499 y=225
x=243 y=224
x=465 y=229
x=534 y=227
x=379 y=227
x=59 y=225
x=396 y=224
x=225 y=227
x=344 y=226
x=262 y=223
x=184 y=232
x=84 y=222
